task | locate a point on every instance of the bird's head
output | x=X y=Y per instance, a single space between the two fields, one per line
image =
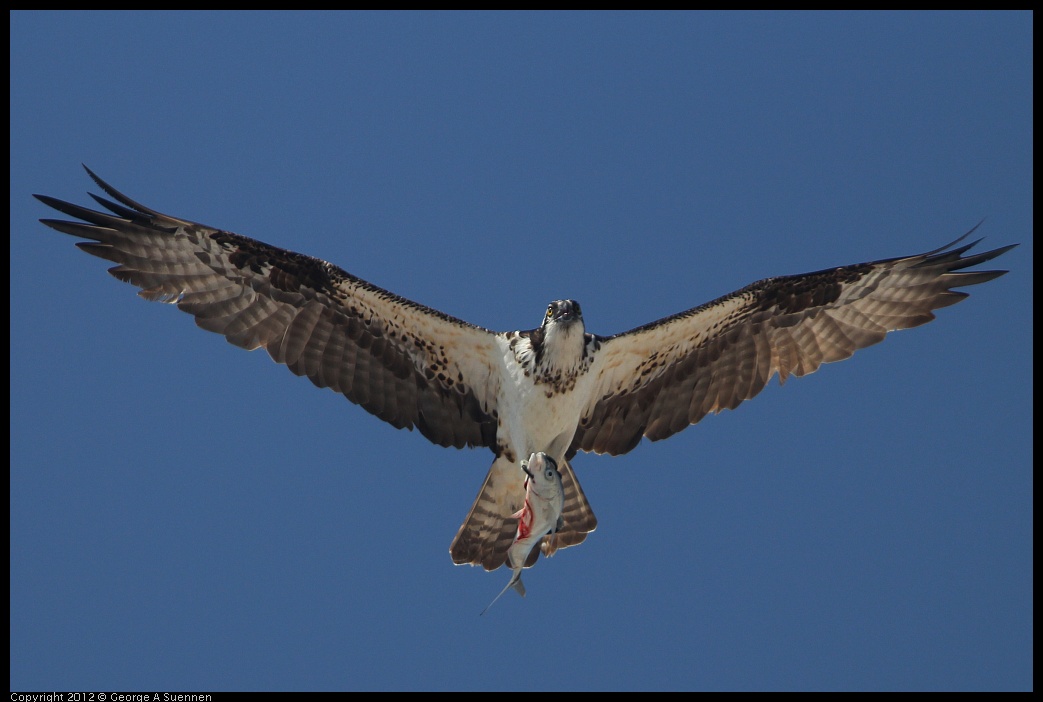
x=554 y=351
x=564 y=313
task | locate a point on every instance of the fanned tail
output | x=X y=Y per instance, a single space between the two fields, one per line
x=489 y=530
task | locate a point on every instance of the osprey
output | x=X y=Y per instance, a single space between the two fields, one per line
x=555 y=389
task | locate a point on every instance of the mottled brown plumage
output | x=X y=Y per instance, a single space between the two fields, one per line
x=555 y=389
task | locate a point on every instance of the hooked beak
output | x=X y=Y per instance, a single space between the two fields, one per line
x=566 y=312
x=563 y=311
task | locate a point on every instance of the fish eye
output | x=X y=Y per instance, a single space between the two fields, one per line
x=549 y=472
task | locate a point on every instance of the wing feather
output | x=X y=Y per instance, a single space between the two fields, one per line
x=657 y=379
x=408 y=364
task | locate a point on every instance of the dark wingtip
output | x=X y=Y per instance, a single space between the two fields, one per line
x=118 y=196
x=101 y=183
x=61 y=205
x=94 y=176
x=957 y=241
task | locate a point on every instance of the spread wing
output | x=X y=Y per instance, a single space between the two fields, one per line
x=659 y=378
x=408 y=364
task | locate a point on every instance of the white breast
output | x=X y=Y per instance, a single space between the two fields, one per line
x=533 y=417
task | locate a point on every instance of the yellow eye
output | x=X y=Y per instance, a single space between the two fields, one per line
x=550 y=310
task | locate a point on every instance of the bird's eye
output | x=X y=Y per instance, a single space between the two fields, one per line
x=550 y=310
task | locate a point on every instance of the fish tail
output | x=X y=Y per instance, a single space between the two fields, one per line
x=515 y=582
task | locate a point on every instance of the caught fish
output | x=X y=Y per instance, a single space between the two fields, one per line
x=539 y=516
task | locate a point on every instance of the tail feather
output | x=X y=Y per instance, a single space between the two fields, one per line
x=578 y=517
x=489 y=530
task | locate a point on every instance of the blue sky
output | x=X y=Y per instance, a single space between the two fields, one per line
x=185 y=515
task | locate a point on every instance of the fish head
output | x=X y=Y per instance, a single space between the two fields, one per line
x=543 y=476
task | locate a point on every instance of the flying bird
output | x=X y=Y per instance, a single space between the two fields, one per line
x=539 y=516
x=556 y=389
